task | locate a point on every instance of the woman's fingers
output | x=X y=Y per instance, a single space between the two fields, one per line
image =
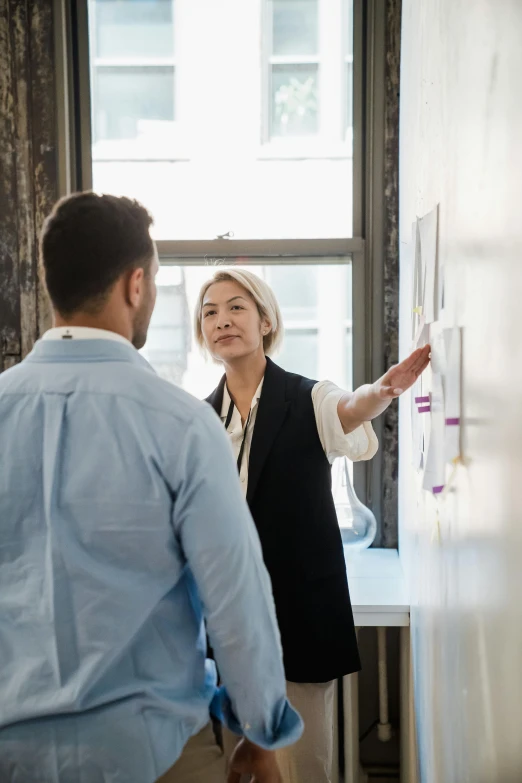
x=404 y=375
x=414 y=363
x=423 y=358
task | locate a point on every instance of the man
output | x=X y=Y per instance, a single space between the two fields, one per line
x=122 y=524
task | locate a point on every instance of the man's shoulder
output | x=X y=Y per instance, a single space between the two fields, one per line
x=11 y=376
x=144 y=387
x=127 y=382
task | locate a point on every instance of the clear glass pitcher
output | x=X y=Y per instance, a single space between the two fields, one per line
x=358 y=524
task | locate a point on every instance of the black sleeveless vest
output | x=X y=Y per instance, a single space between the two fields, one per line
x=290 y=499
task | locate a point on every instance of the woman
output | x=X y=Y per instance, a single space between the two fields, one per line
x=286 y=430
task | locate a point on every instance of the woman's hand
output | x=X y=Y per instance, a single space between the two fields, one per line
x=401 y=377
x=368 y=402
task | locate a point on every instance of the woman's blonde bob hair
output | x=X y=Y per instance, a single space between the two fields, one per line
x=259 y=292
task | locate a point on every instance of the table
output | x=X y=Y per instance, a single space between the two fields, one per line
x=377 y=588
x=379 y=599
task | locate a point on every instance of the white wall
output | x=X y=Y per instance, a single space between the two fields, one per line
x=461 y=146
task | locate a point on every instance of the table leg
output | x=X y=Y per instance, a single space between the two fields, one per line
x=351 y=726
x=409 y=762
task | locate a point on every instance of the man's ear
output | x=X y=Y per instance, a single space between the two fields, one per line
x=134 y=287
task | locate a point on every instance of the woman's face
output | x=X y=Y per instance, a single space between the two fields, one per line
x=230 y=322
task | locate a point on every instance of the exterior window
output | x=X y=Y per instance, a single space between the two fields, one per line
x=309 y=97
x=294 y=68
x=131 y=99
x=133 y=73
x=225 y=116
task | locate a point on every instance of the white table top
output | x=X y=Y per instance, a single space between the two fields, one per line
x=377 y=587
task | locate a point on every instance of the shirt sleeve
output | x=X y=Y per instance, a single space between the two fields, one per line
x=220 y=542
x=361 y=444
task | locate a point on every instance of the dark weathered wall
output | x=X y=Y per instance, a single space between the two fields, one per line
x=27 y=169
x=391 y=268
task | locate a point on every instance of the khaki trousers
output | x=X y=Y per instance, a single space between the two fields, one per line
x=310 y=759
x=202 y=761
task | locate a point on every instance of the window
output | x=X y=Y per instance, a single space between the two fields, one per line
x=132 y=78
x=235 y=118
x=224 y=116
x=316 y=305
x=294 y=68
x=308 y=105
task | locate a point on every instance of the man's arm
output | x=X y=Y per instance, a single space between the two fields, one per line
x=223 y=551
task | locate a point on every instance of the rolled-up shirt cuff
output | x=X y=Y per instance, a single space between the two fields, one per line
x=360 y=444
x=282 y=728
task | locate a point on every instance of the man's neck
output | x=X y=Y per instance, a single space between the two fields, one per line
x=93 y=322
x=243 y=377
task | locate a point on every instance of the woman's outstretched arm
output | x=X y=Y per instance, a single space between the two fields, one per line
x=369 y=401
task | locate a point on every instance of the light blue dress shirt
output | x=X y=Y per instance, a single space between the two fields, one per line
x=121 y=525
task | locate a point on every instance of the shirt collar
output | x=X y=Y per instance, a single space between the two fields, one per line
x=83 y=333
x=227 y=399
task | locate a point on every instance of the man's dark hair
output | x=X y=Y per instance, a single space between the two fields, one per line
x=87 y=242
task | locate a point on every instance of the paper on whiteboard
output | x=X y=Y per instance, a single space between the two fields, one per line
x=438 y=348
x=453 y=343
x=422 y=334
x=434 y=471
x=428 y=250
x=417 y=427
x=417 y=281
x=449 y=314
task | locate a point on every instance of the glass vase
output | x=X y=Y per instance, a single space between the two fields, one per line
x=357 y=523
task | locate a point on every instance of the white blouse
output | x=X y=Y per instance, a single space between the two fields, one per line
x=361 y=444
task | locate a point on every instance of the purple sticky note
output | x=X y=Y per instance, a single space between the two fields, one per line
x=437 y=490
x=418 y=400
x=453 y=422
x=425 y=409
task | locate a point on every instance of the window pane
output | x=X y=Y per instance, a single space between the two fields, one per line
x=213 y=146
x=130 y=102
x=134 y=28
x=349 y=25
x=318 y=346
x=299 y=353
x=295 y=27
x=296 y=293
x=349 y=359
x=168 y=342
x=295 y=110
x=349 y=100
x=348 y=73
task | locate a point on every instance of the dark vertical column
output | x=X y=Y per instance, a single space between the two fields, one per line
x=391 y=267
x=28 y=181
